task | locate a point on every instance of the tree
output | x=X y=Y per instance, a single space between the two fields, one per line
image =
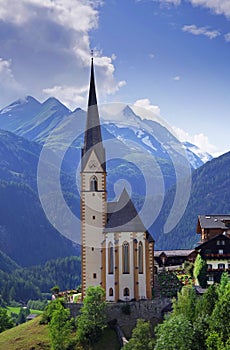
x=176 y=332
x=185 y=303
x=141 y=337
x=214 y=342
x=5 y=320
x=92 y=320
x=205 y=305
x=220 y=320
x=200 y=271
x=60 y=328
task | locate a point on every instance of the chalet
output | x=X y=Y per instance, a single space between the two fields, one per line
x=209 y=226
x=214 y=246
x=172 y=259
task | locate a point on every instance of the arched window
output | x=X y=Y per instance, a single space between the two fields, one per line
x=140 y=257
x=125 y=257
x=126 y=292
x=110 y=292
x=93 y=184
x=110 y=258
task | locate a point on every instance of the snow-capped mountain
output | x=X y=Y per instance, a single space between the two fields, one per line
x=135 y=128
x=196 y=157
x=144 y=128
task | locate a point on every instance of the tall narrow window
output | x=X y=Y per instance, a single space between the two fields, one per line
x=110 y=292
x=140 y=257
x=126 y=292
x=110 y=258
x=125 y=257
x=93 y=184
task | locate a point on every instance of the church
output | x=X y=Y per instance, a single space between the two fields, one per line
x=117 y=249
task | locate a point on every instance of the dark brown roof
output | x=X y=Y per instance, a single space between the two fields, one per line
x=171 y=253
x=123 y=217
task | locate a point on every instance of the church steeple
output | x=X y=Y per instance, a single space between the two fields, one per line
x=92 y=137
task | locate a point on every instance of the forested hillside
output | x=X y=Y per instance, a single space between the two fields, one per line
x=35 y=282
x=210 y=194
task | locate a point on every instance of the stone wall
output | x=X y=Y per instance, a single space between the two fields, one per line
x=150 y=310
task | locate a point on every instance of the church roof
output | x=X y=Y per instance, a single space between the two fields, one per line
x=123 y=216
x=92 y=137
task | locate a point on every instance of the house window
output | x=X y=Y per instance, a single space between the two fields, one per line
x=110 y=292
x=126 y=292
x=209 y=266
x=93 y=184
x=220 y=251
x=94 y=275
x=140 y=257
x=220 y=242
x=210 y=278
x=125 y=257
x=221 y=266
x=94 y=217
x=110 y=258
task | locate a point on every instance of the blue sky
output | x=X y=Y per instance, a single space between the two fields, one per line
x=171 y=56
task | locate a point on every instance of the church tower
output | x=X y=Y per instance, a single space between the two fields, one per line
x=117 y=249
x=93 y=195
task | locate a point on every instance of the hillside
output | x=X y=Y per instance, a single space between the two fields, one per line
x=26 y=235
x=210 y=194
x=17 y=338
x=35 y=282
x=6 y=263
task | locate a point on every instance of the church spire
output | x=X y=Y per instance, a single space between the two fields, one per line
x=93 y=138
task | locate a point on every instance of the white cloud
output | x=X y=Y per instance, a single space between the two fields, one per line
x=218 y=6
x=54 y=39
x=174 y=2
x=200 y=140
x=69 y=95
x=146 y=104
x=227 y=37
x=151 y=55
x=9 y=87
x=176 y=78
x=193 y=29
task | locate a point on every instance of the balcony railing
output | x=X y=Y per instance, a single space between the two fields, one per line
x=217 y=255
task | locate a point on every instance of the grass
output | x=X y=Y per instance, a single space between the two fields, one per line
x=33 y=336
x=27 y=336
x=16 y=310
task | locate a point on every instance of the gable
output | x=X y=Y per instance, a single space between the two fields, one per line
x=92 y=163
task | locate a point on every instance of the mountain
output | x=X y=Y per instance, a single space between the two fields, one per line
x=7 y=264
x=40 y=149
x=26 y=235
x=210 y=193
x=136 y=128
x=196 y=157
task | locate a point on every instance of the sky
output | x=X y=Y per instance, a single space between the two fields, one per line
x=170 y=56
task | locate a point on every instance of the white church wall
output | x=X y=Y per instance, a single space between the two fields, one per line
x=126 y=280
x=110 y=278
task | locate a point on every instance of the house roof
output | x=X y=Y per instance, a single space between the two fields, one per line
x=221 y=235
x=123 y=217
x=172 y=253
x=213 y=221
